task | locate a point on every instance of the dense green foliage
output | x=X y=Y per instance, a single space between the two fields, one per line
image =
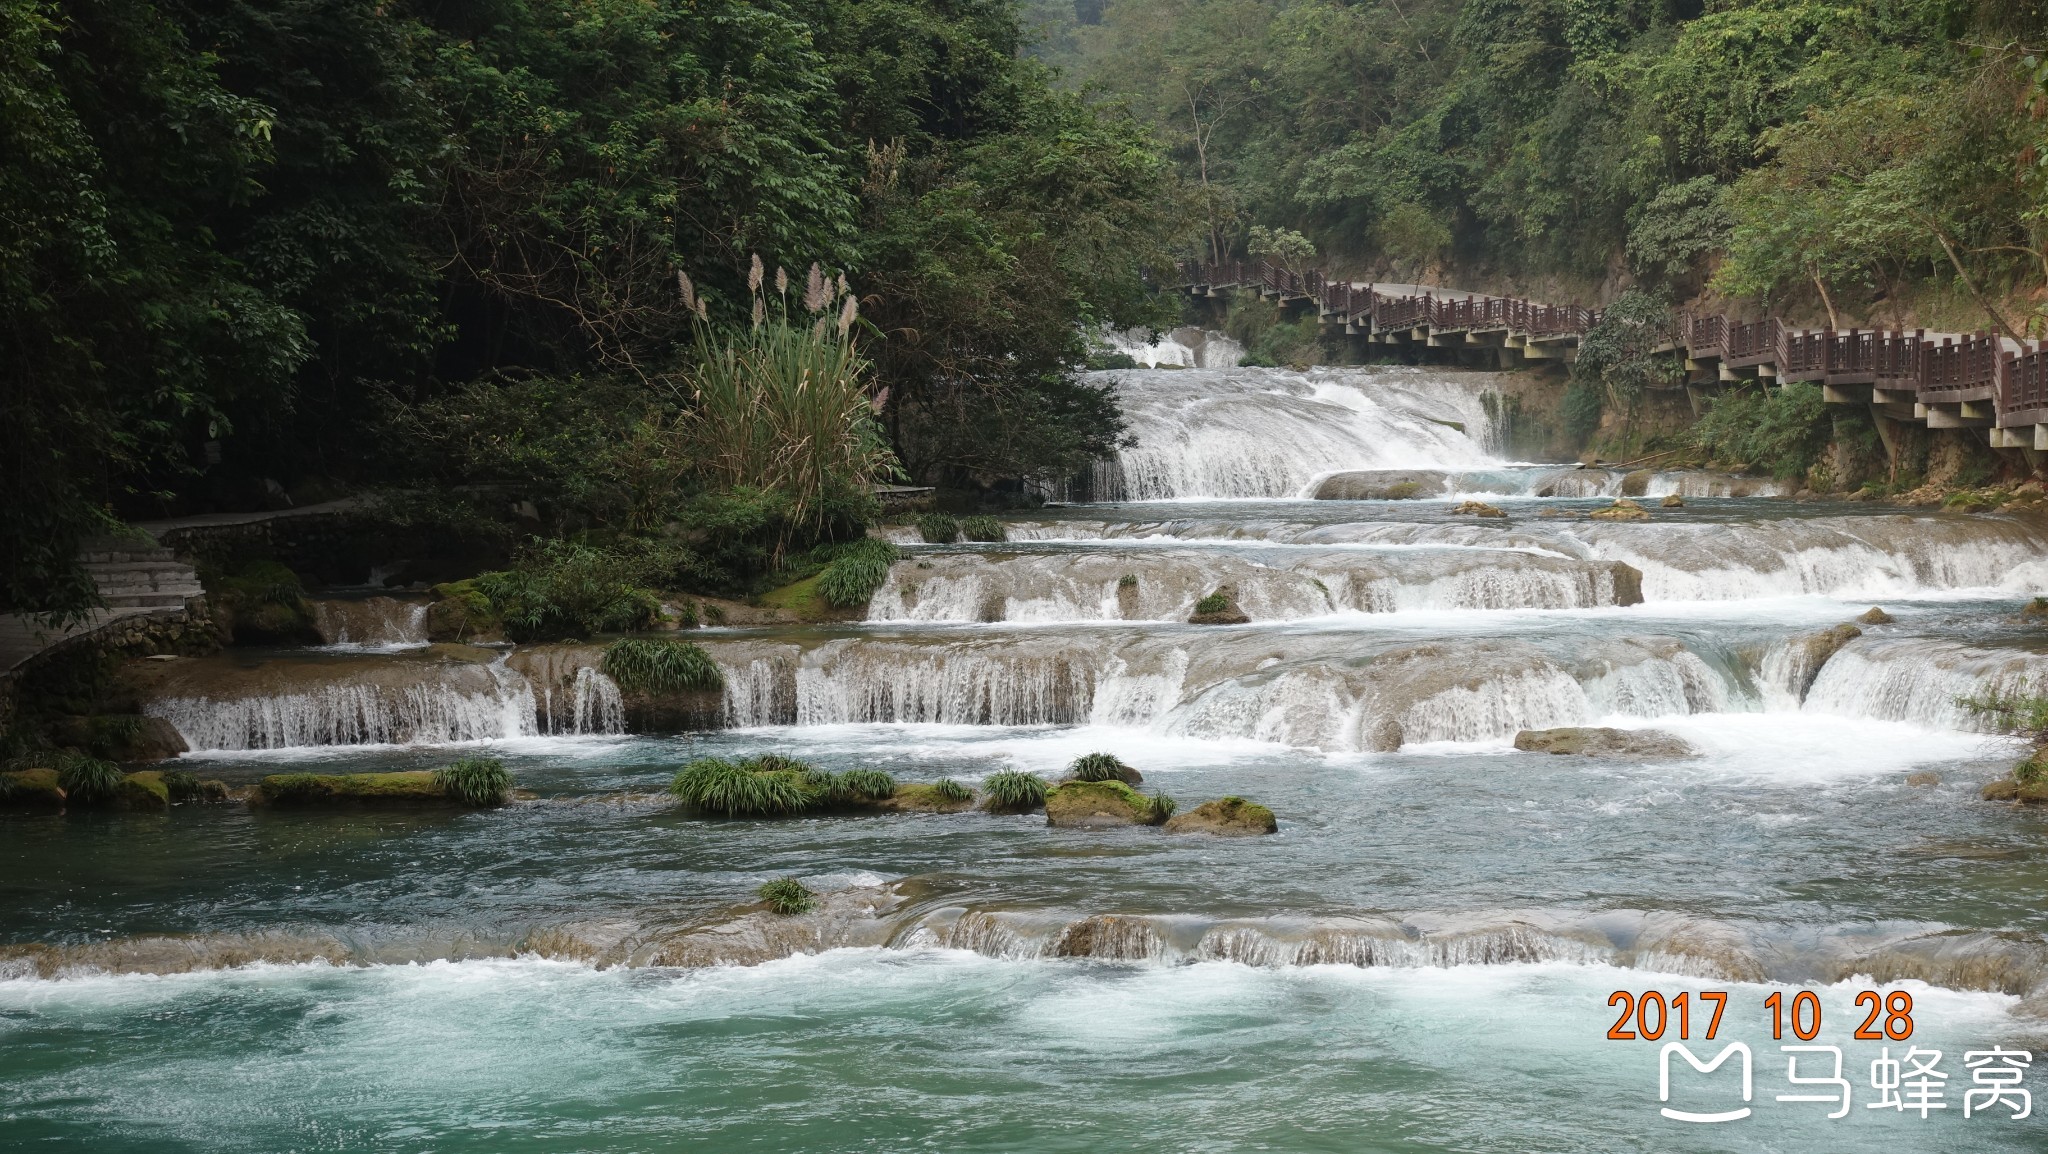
x=752 y=788
x=1777 y=431
x=1213 y=603
x=660 y=665
x=475 y=781
x=788 y=897
x=257 y=253
x=1879 y=159
x=567 y=589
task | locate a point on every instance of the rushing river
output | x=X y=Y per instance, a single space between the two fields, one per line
x=1421 y=959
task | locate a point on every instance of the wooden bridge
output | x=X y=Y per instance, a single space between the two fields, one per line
x=1941 y=380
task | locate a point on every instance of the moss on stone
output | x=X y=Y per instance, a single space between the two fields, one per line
x=1228 y=816
x=31 y=789
x=925 y=799
x=144 y=792
x=1085 y=804
x=343 y=790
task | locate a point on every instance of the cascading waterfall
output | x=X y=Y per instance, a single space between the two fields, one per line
x=370 y=622
x=1921 y=681
x=1248 y=433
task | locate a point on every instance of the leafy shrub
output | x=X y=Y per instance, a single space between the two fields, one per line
x=660 y=665
x=1127 y=581
x=938 y=529
x=567 y=589
x=788 y=897
x=984 y=528
x=951 y=790
x=1777 y=431
x=856 y=573
x=1014 y=789
x=475 y=781
x=1213 y=603
x=761 y=787
x=89 y=780
x=1099 y=767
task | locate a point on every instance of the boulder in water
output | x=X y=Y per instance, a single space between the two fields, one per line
x=1628 y=584
x=1381 y=485
x=2035 y=612
x=1097 y=804
x=1623 y=509
x=143 y=792
x=2004 y=789
x=1923 y=779
x=415 y=787
x=1672 y=501
x=1587 y=741
x=1636 y=484
x=1225 y=817
x=1875 y=616
x=31 y=789
x=1476 y=509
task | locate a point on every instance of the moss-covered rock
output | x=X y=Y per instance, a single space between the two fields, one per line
x=1672 y=501
x=923 y=799
x=347 y=790
x=1623 y=509
x=461 y=612
x=1094 y=804
x=1477 y=509
x=1225 y=817
x=1219 y=608
x=1636 y=484
x=1875 y=616
x=805 y=601
x=31 y=789
x=143 y=792
x=2004 y=789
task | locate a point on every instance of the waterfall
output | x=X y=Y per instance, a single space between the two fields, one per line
x=370 y=622
x=1185 y=347
x=1265 y=433
x=1919 y=680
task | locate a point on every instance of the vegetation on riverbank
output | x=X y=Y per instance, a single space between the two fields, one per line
x=258 y=257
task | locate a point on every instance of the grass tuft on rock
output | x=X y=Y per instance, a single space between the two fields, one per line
x=1102 y=767
x=951 y=790
x=983 y=528
x=865 y=785
x=788 y=897
x=938 y=529
x=1162 y=808
x=856 y=573
x=660 y=665
x=475 y=781
x=771 y=786
x=1015 y=791
x=182 y=786
x=88 y=780
x=1213 y=603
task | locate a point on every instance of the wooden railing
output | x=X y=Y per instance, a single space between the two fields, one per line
x=1950 y=370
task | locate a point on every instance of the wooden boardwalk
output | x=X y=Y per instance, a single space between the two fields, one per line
x=1940 y=380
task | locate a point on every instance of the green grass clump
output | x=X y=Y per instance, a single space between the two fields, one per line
x=938 y=529
x=89 y=780
x=770 y=786
x=475 y=781
x=182 y=786
x=864 y=785
x=788 y=897
x=1099 y=767
x=1127 y=581
x=951 y=790
x=1213 y=603
x=856 y=573
x=660 y=665
x=1013 y=789
x=983 y=528
x=1162 y=807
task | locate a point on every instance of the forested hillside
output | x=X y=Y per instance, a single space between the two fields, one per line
x=259 y=252
x=1842 y=160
